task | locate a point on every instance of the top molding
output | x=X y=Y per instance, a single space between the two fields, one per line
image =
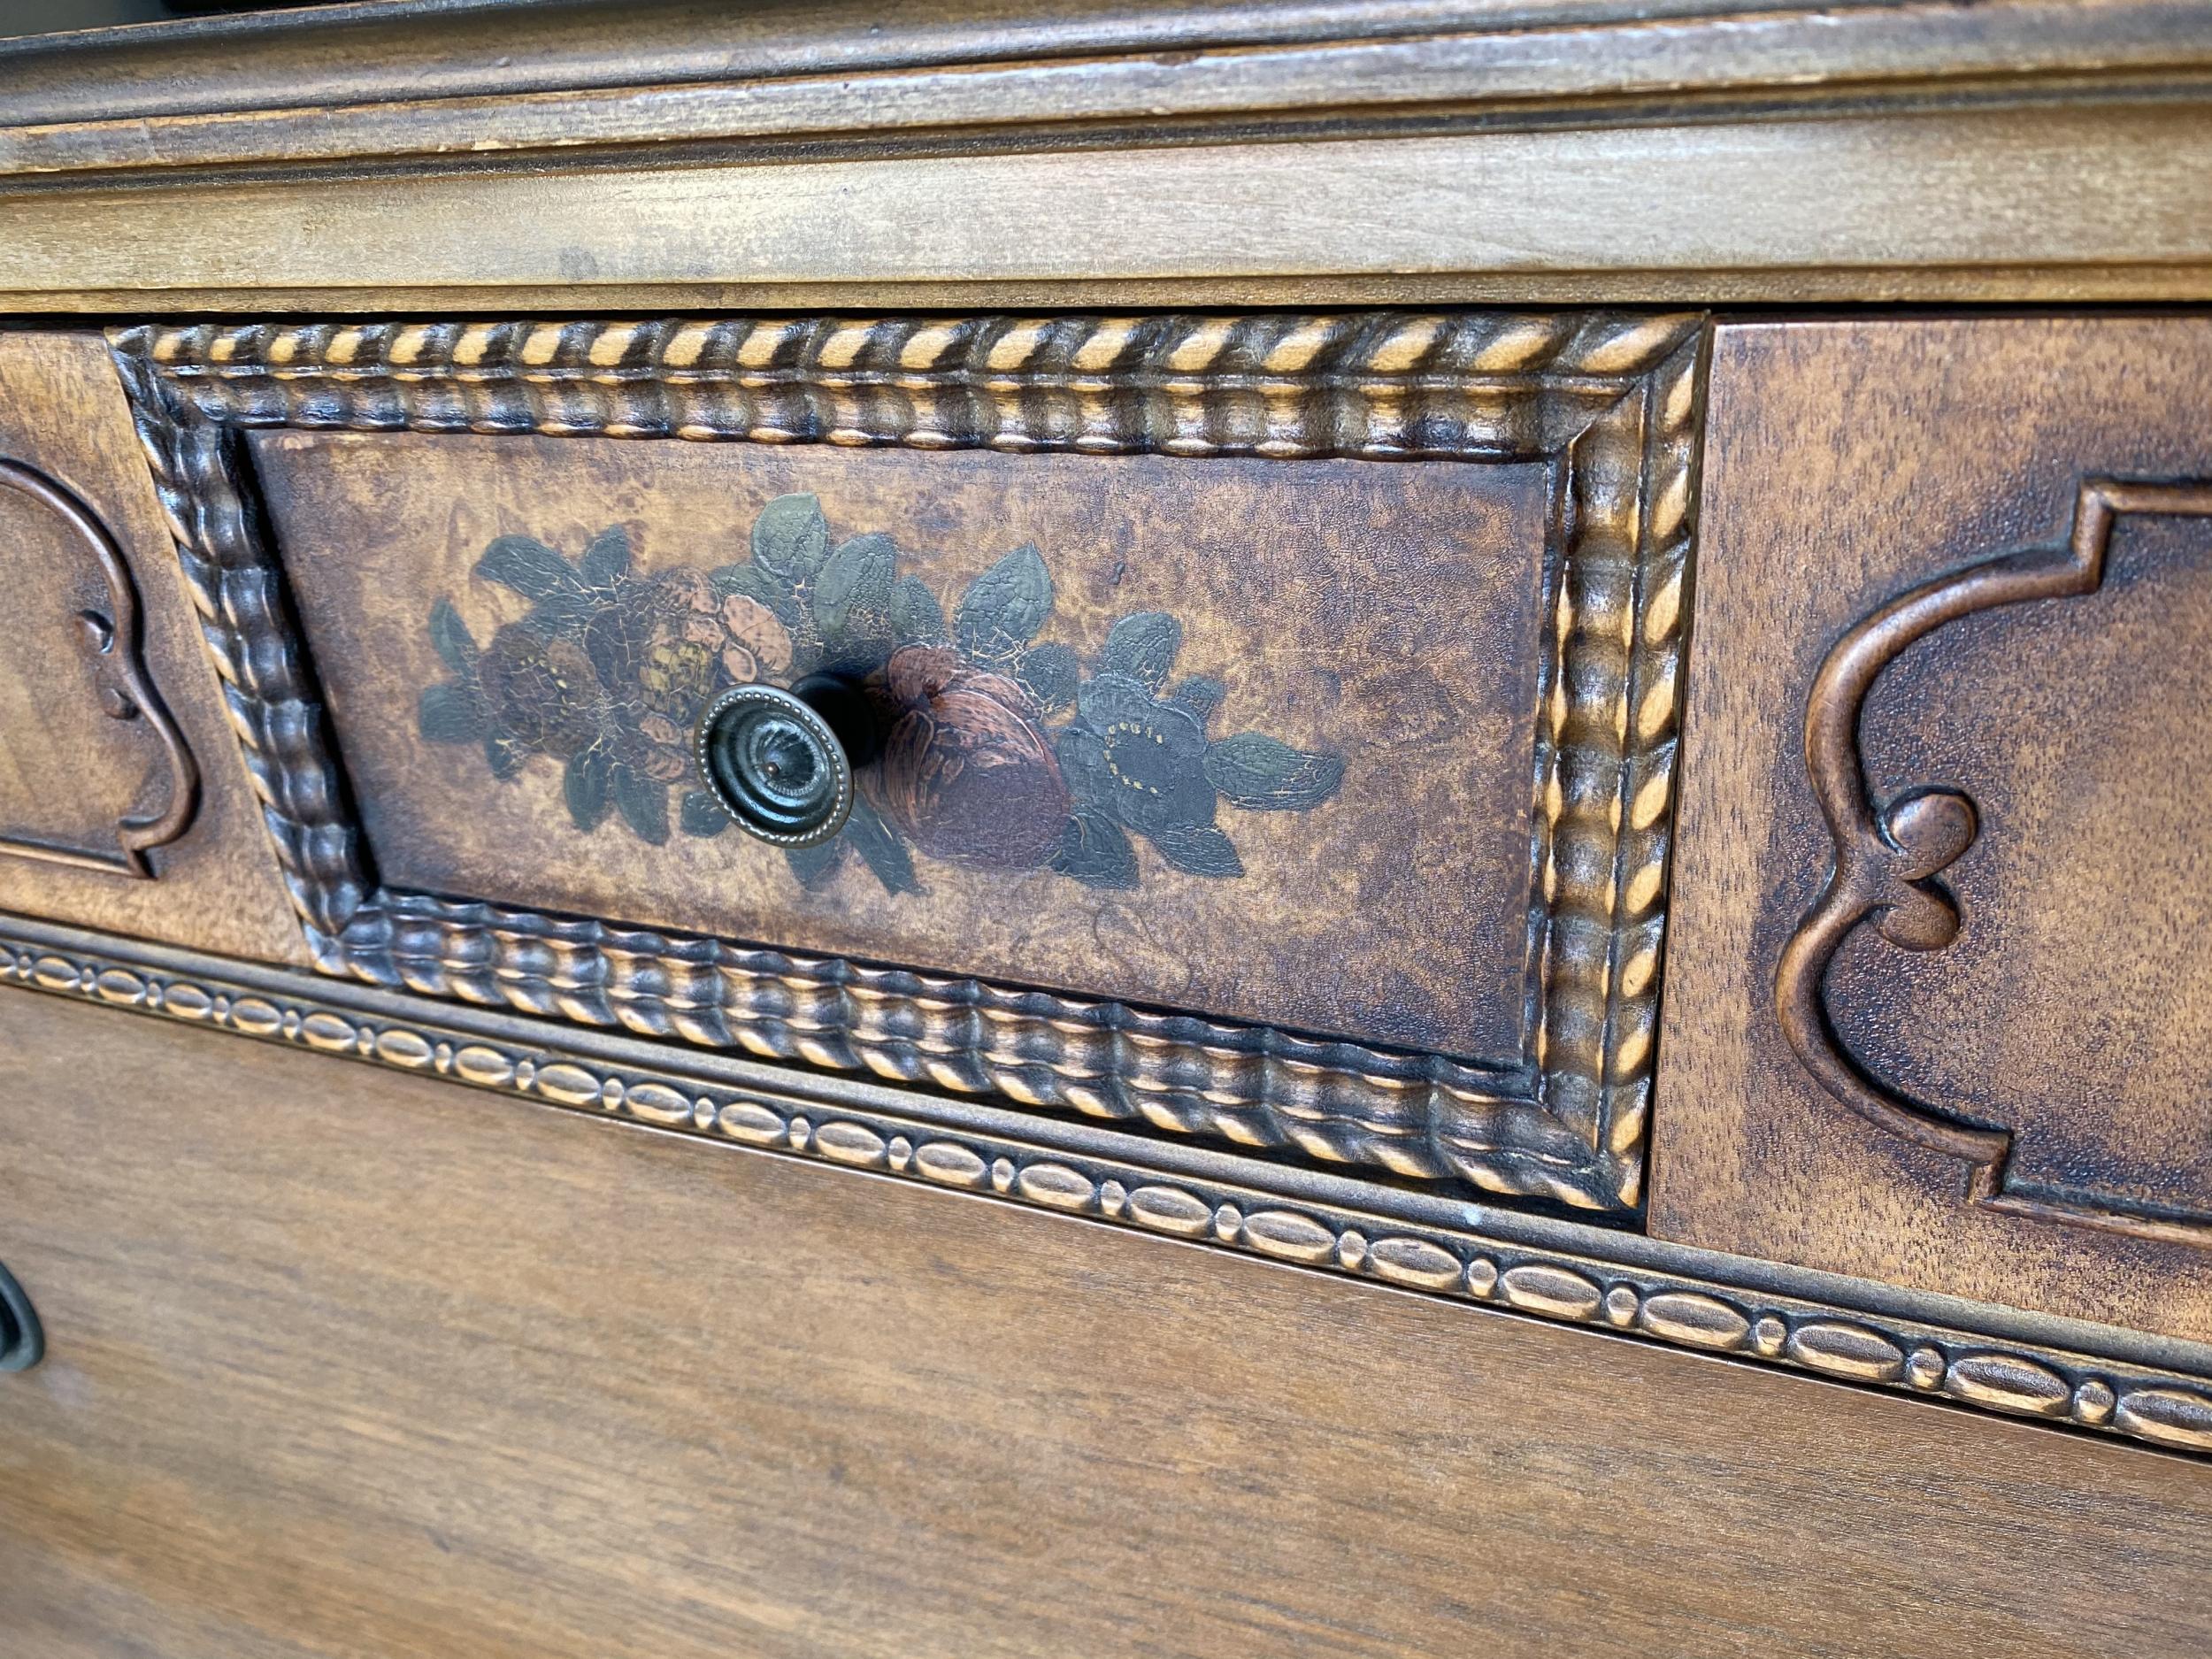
x=426 y=51
x=668 y=155
x=361 y=82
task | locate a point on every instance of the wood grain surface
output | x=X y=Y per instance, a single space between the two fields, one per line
x=361 y=63
x=70 y=771
x=2071 y=1009
x=1843 y=208
x=472 y=1378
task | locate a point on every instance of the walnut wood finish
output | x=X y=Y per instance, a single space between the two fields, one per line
x=1976 y=1062
x=100 y=616
x=106 y=701
x=484 y=1381
x=370 y=57
x=1385 y=621
x=1887 y=857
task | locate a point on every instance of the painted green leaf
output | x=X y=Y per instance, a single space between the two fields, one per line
x=1256 y=771
x=1201 y=695
x=1051 y=673
x=528 y=566
x=1144 y=647
x=915 y=615
x=701 y=815
x=815 y=866
x=451 y=637
x=608 y=557
x=448 y=714
x=642 y=803
x=1004 y=607
x=1095 y=851
x=881 y=849
x=1198 y=850
x=584 y=787
x=853 y=587
x=791 y=538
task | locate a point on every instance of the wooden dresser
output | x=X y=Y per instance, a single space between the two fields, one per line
x=1362 y=828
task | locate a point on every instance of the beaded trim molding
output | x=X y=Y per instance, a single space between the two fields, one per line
x=1671 y=1294
x=1609 y=399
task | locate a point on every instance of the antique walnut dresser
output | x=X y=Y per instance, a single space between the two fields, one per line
x=1364 y=827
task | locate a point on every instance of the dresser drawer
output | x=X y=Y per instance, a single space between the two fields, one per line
x=1272 y=718
x=1939 y=998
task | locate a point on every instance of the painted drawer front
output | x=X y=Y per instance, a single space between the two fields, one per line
x=1155 y=729
x=1965 y=984
x=1278 y=712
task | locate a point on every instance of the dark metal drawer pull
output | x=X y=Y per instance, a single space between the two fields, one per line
x=781 y=762
x=21 y=1341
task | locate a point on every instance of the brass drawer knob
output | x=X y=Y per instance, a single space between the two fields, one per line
x=22 y=1343
x=780 y=763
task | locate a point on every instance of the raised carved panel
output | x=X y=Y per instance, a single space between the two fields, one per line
x=1939 y=1009
x=95 y=774
x=1893 y=845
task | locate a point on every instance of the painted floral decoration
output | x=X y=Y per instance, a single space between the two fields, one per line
x=1001 y=751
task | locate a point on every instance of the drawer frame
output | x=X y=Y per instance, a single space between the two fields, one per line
x=1609 y=401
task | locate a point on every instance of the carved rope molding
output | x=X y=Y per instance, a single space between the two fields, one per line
x=1888 y=855
x=1681 y=1298
x=1608 y=398
x=115 y=642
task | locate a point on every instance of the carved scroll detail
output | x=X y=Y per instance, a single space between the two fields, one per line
x=1889 y=854
x=113 y=642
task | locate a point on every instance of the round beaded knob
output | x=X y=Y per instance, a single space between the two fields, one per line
x=781 y=762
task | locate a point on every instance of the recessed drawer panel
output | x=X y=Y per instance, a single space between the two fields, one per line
x=1192 y=733
x=1258 y=728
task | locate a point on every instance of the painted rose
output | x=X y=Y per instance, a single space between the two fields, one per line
x=544 y=693
x=1005 y=749
x=967 y=772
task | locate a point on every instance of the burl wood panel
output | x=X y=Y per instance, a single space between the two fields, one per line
x=2065 y=1031
x=1254 y=738
x=483 y=1380
x=88 y=720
